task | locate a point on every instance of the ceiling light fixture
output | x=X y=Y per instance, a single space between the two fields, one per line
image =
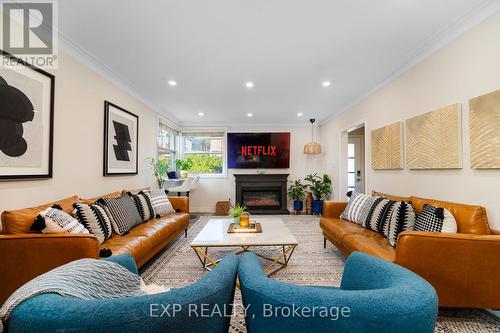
x=249 y=84
x=250 y=114
x=312 y=147
x=201 y=114
x=300 y=114
x=172 y=83
x=326 y=84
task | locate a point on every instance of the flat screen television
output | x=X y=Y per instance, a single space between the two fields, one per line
x=258 y=150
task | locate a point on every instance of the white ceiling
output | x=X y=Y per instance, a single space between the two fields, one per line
x=287 y=48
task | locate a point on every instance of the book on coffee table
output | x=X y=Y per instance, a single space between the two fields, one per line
x=252 y=228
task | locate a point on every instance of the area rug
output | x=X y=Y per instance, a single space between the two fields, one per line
x=311 y=264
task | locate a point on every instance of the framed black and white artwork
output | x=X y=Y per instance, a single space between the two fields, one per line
x=121 y=133
x=26 y=120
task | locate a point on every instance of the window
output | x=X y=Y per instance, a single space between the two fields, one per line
x=205 y=151
x=351 y=168
x=167 y=144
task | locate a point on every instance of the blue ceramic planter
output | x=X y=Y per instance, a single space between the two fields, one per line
x=317 y=207
x=298 y=205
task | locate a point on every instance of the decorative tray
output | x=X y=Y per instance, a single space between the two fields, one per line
x=254 y=227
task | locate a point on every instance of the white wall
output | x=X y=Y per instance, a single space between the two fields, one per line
x=78 y=140
x=466 y=68
x=211 y=190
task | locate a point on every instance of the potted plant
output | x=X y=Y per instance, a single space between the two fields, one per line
x=240 y=215
x=297 y=193
x=183 y=166
x=160 y=168
x=320 y=187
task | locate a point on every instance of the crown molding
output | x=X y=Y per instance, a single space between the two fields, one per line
x=465 y=23
x=89 y=60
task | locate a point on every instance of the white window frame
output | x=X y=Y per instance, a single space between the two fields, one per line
x=175 y=152
x=182 y=152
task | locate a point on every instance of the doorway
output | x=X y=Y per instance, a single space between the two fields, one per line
x=356 y=160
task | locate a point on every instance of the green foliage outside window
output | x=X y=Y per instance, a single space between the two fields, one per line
x=204 y=163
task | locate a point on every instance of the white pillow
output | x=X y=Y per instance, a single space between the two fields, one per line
x=54 y=220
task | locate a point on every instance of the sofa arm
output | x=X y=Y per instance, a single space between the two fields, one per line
x=463 y=268
x=332 y=209
x=180 y=204
x=25 y=256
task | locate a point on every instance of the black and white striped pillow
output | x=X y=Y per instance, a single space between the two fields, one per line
x=435 y=219
x=160 y=202
x=379 y=216
x=402 y=219
x=94 y=218
x=357 y=208
x=123 y=213
x=143 y=204
x=55 y=220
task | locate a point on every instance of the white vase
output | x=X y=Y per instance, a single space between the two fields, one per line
x=184 y=174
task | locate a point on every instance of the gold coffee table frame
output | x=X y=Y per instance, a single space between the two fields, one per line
x=281 y=261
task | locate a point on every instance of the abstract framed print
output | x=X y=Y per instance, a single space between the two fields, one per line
x=26 y=120
x=121 y=133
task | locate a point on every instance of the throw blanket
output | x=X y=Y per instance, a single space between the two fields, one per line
x=88 y=279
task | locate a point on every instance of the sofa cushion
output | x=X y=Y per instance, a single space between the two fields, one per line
x=20 y=220
x=470 y=219
x=435 y=219
x=122 y=212
x=379 y=216
x=358 y=207
x=338 y=229
x=157 y=230
x=95 y=219
x=143 y=205
x=53 y=220
x=372 y=243
x=160 y=202
x=402 y=219
x=137 y=246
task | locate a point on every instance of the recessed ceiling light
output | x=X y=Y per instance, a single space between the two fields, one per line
x=172 y=83
x=250 y=114
x=326 y=83
x=300 y=114
x=249 y=84
x=201 y=114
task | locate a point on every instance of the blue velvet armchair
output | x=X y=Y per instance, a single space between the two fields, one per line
x=54 y=313
x=374 y=296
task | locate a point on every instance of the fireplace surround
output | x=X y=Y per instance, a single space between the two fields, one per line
x=262 y=193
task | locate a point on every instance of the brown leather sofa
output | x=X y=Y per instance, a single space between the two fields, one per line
x=463 y=267
x=25 y=255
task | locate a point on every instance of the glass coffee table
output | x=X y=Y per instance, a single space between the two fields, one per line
x=274 y=234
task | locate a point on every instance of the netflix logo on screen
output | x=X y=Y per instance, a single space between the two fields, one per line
x=258 y=150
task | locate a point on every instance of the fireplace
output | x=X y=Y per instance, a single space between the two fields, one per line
x=262 y=193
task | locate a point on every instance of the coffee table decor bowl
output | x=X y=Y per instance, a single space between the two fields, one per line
x=273 y=237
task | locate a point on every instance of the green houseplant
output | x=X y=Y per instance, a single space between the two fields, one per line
x=160 y=168
x=321 y=188
x=240 y=215
x=183 y=166
x=297 y=193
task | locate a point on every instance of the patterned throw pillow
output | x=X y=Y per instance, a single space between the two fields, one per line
x=159 y=201
x=94 y=218
x=379 y=215
x=143 y=204
x=358 y=207
x=54 y=220
x=435 y=219
x=122 y=212
x=402 y=219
